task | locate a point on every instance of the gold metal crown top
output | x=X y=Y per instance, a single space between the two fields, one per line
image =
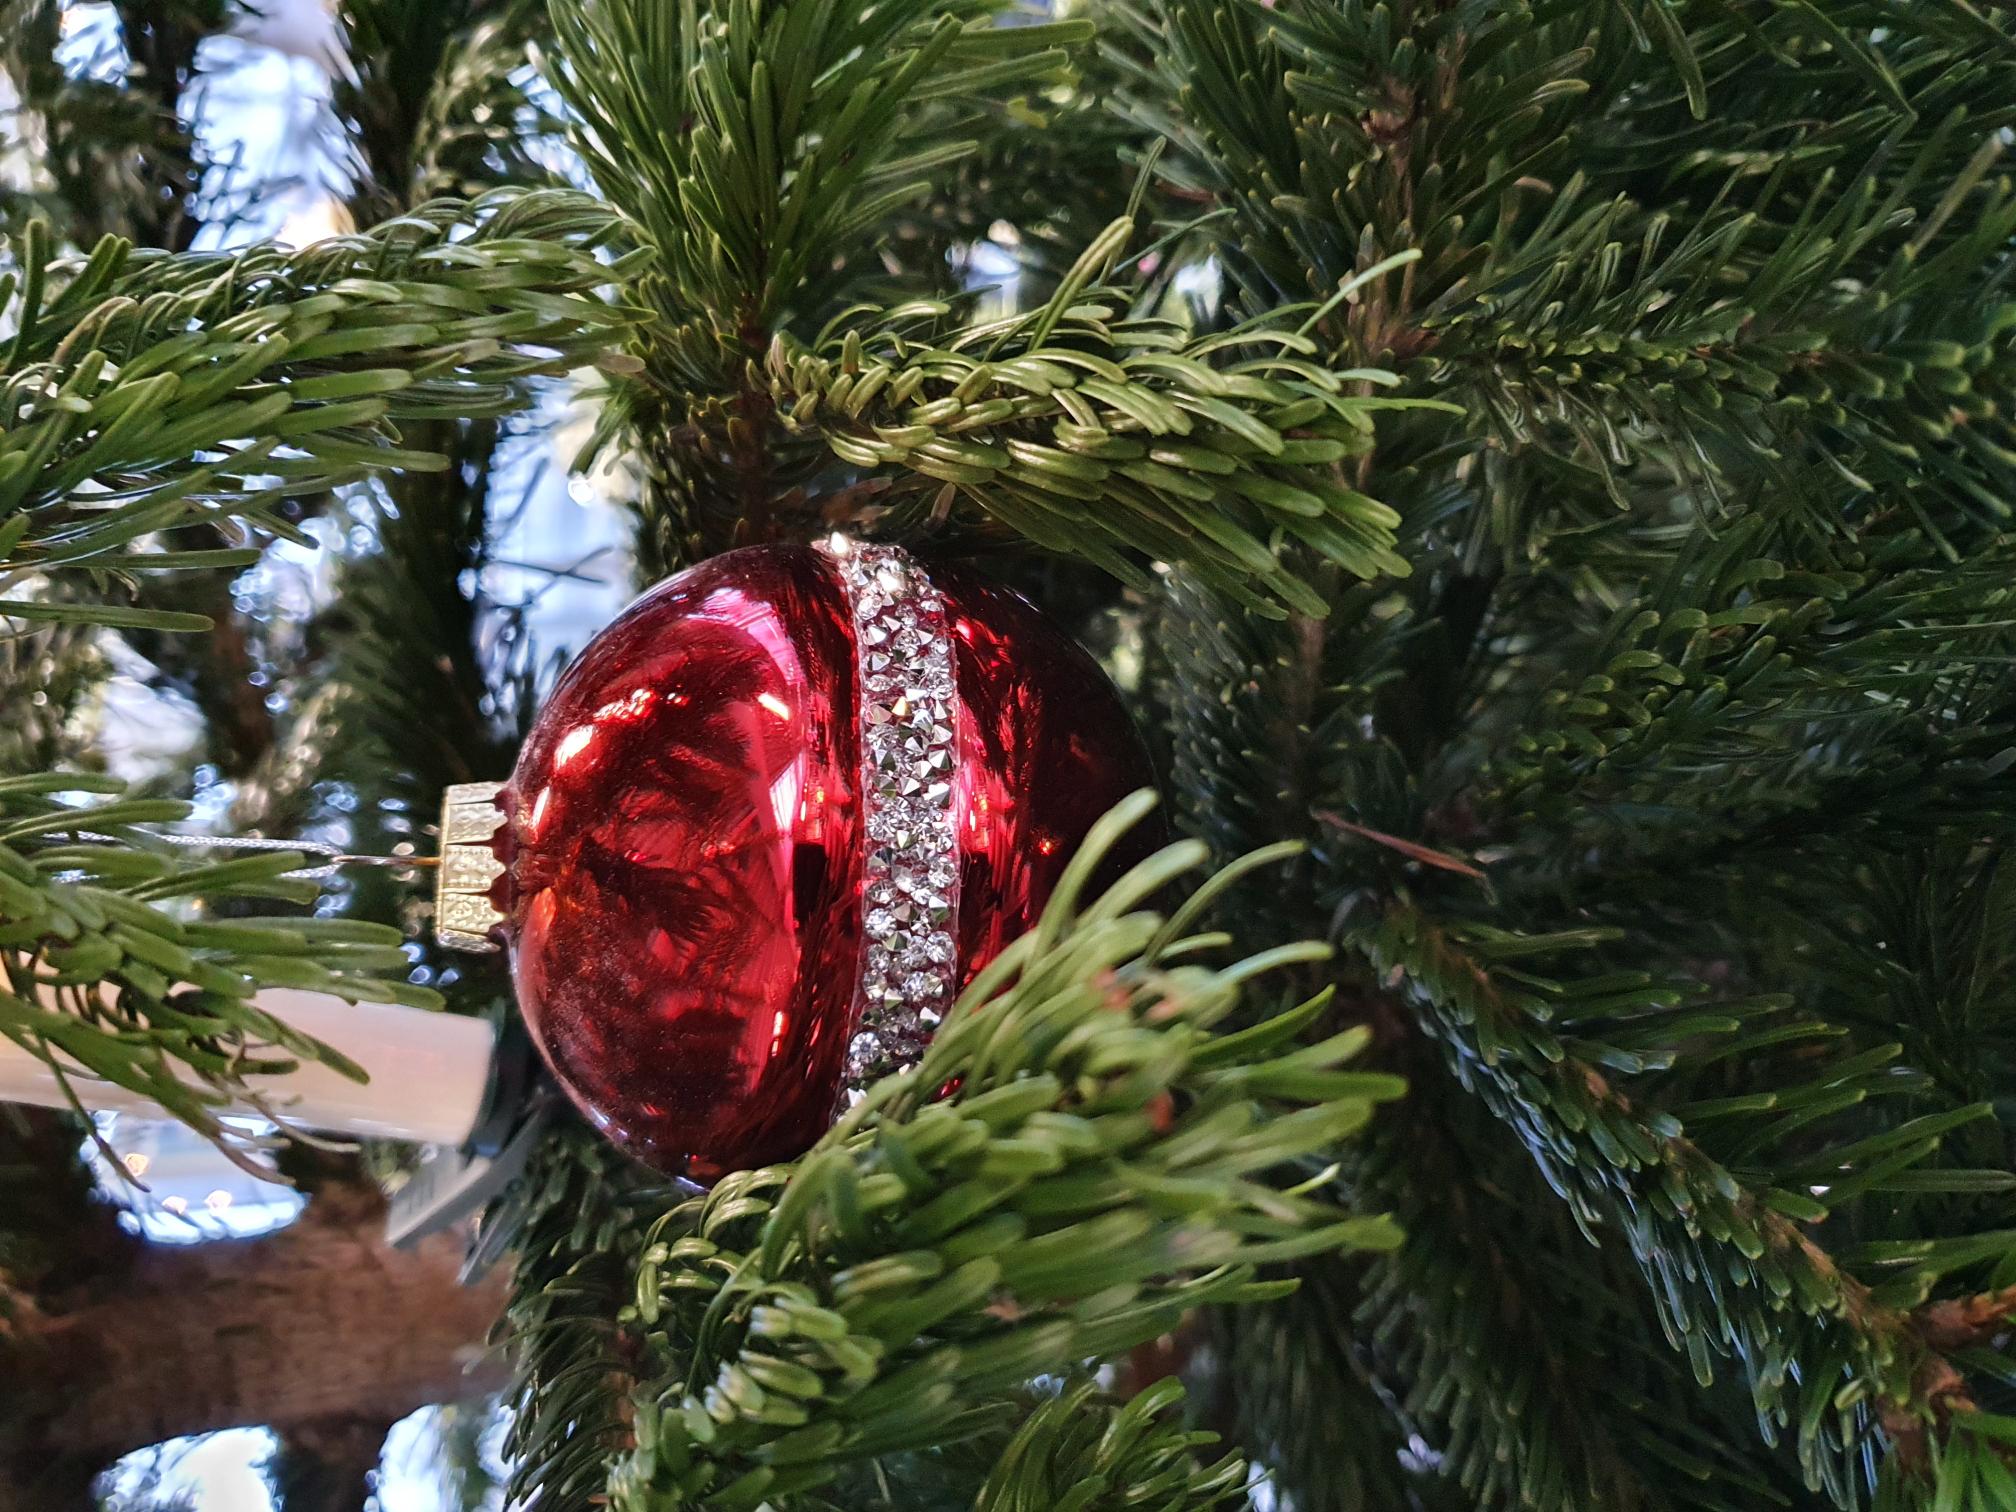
x=463 y=913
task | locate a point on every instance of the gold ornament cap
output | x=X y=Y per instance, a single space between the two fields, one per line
x=464 y=914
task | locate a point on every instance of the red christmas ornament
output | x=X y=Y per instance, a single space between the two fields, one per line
x=770 y=822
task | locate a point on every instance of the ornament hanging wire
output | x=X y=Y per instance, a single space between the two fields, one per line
x=334 y=856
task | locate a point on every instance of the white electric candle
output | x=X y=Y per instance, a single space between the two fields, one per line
x=429 y=1072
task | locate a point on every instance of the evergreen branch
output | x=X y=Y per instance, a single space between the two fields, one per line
x=1289 y=1379
x=116 y=155
x=1098 y=1170
x=1727 y=1260
x=1051 y=173
x=758 y=150
x=573 y=1221
x=1720 y=351
x=1265 y=747
x=435 y=102
x=148 y=392
x=1970 y=1472
x=1076 y=1453
x=1762 y=306
x=1318 y=127
x=707 y=130
x=1109 y=436
x=1730 y=660
x=1301 y=729
x=1526 y=1359
x=377 y=733
x=108 y=978
x=1917 y=947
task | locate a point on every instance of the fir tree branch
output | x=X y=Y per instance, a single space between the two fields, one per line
x=1110 y=437
x=151 y=392
x=1076 y=1453
x=1260 y=776
x=1725 y=1258
x=707 y=131
x=107 y=978
x=1733 y=654
x=574 y=1221
x=1971 y=1471
x=1763 y=304
x=1288 y=1383
x=435 y=103
x=114 y=155
x=1097 y=1171
x=147 y=392
x=1527 y=1360
x=756 y=150
x=435 y=100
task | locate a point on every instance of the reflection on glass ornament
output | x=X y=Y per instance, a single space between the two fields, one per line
x=771 y=821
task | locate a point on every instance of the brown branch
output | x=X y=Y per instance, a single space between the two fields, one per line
x=1966 y=1322
x=1427 y=856
x=320 y=1323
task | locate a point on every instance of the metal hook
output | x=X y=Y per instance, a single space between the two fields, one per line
x=336 y=856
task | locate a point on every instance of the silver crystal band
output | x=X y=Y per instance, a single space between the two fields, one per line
x=909 y=754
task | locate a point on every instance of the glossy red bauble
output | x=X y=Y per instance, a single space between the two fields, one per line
x=695 y=849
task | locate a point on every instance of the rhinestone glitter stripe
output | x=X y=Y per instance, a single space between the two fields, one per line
x=909 y=751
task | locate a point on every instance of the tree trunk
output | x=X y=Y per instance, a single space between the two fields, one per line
x=313 y=1331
